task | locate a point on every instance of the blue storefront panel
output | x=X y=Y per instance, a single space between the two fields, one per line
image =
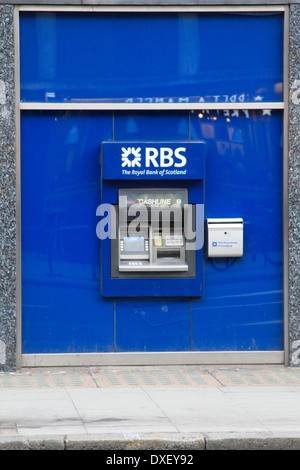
x=63 y=310
x=241 y=306
x=62 y=307
x=138 y=57
x=155 y=325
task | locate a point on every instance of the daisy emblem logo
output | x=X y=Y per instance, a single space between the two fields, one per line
x=131 y=156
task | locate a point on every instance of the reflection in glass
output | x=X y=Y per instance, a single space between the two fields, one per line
x=151 y=58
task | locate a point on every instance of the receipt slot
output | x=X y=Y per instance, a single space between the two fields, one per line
x=154 y=193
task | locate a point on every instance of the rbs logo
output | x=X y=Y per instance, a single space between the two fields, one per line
x=153 y=157
x=165 y=157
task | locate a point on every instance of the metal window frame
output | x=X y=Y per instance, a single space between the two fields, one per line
x=189 y=357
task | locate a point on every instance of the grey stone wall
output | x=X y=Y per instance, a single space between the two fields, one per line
x=7 y=193
x=294 y=186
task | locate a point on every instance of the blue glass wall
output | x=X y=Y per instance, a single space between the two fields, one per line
x=63 y=310
x=62 y=306
x=147 y=57
x=71 y=57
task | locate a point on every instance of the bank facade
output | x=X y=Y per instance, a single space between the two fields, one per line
x=149 y=183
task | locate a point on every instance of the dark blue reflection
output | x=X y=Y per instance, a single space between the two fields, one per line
x=151 y=126
x=138 y=57
x=63 y=310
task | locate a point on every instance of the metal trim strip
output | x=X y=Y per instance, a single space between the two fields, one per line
x=149 y=106
x=18 y=193
x=152 y=358
x=117 y=7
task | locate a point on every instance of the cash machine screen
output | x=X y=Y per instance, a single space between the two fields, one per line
x=133 y=244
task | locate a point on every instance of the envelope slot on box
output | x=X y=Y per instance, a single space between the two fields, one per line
x=225 y=237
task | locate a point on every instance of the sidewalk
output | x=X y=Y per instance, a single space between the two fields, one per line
x=152 y=407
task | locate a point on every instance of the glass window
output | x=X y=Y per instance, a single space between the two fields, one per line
x=150 y=57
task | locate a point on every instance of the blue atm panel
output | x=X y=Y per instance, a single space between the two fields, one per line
x=154 y=196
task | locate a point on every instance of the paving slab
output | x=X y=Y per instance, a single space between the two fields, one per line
x=151 y=408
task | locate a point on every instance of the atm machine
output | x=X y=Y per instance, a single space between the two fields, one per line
x=154 y=198
x=154 y=193
x=156 y=243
